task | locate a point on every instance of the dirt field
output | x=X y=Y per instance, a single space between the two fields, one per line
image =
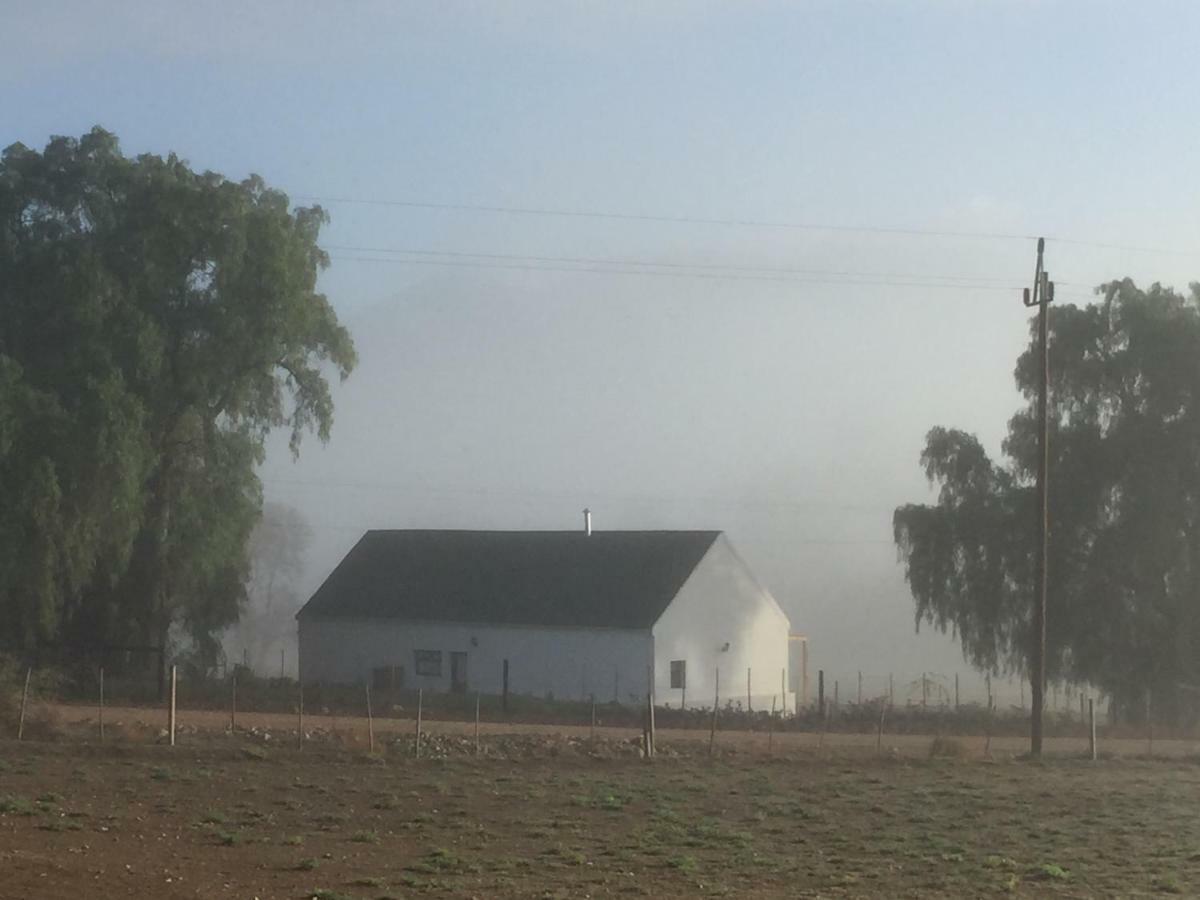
x=245 y=817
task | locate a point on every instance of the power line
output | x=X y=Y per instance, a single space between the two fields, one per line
x=676 y=220
x=741 y=223
x=707 y=276
x=759 y=503
x=968 y=280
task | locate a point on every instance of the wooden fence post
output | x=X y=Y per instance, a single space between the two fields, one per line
x=860 y=687
x=749 y=705
x=771 y=725
x=420 y=709
x=24 y=701
x=650 y=701
x=100 y=713
x=503 y=689
x=233 y=704
x=300 y=718
x=956 y=692
x=370 y=720
x=1092 y=728
x=171 y=712
x=783 y=692
x=821 y=693
x=593 y=731
x=879 y=730
x=1149 y=725
x=891 y=690
x=476 y=723
x=712 y=731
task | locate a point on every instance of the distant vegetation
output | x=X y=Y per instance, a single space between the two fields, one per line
x=156 y=323
x=1124 y=562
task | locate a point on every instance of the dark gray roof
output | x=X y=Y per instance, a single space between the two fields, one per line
x=610 y=579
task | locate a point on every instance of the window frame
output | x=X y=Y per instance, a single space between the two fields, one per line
x=427 y=663
x=679 y=674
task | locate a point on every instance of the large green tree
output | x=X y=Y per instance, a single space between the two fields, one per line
x=156 y=324
x=1124 y=560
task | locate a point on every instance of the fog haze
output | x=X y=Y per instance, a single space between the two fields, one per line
x=787 y=408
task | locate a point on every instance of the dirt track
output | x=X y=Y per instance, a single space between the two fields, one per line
x=354 y=730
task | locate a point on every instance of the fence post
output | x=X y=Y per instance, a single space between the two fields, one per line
x=860 y=687
x=749 y=706
x=24 y=700
x=956 y=692
x=891 y=690
x=233 y=704
x=100 y=718
x=370 y=720
x=1092 y=728
x=171 y=713
x=476 y=723
x=771 y=724
x=712 y=731
x=879 y=731
x=924 y=691
x=503 y=691
x=1149 y=725
x=835 y=693
x=593 y=731
x=821 y=693
x=783 y=692
x=650 y=700
x=300 y=719
x=420 y=706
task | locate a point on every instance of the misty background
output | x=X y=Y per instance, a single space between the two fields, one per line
x=507 y=379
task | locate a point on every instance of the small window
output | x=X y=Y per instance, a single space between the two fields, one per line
x=679 y=673
x=428 y=663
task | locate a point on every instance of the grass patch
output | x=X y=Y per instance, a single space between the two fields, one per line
x=942 y=747
x=15 y=806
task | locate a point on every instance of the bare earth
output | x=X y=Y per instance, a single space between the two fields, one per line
x=242 y=815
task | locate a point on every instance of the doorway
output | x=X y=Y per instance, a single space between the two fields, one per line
x=458 y=671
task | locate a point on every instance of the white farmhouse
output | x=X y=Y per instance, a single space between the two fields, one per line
x=568 y=614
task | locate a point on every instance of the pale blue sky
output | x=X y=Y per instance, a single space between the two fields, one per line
x=509 y=398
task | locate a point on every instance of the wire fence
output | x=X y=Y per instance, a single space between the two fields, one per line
x=92 y=705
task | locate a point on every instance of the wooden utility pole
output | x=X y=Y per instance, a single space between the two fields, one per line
x=1041 y=296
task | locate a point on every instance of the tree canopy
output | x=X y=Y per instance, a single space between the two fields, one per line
x=1124 y=539
x=156 y=324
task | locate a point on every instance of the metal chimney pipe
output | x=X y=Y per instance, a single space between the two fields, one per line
x=587 y=522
